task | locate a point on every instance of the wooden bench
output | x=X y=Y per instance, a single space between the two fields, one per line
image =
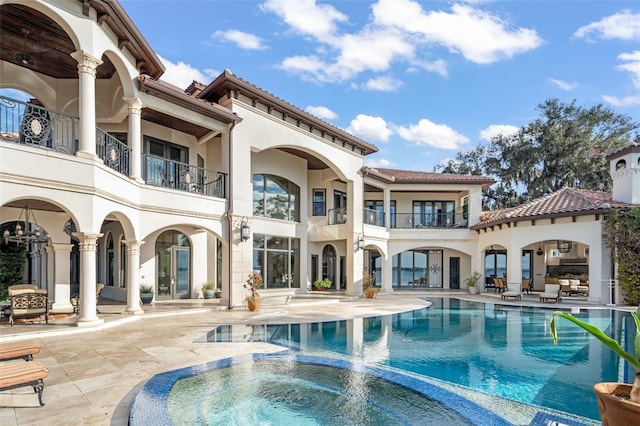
x=22 y=349
x=16 y=374
x=27 y=300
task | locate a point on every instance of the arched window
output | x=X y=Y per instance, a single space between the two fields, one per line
x=123 y=263
x=110 y=260
x=621 y=164
x=276 y=197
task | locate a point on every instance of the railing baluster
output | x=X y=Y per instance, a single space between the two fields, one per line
x=165 y=173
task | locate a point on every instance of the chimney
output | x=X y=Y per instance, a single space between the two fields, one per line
x=624 y=166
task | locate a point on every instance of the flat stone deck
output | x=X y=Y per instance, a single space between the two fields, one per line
x=94 y=373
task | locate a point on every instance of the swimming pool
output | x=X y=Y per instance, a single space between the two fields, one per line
x=502 y=350
x=302 y=390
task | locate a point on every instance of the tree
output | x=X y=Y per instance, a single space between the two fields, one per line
x=564 y=147
x=621 y=233
x=12 y=262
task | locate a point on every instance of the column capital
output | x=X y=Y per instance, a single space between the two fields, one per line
x=133 y=246
x=135 y=105
x=86 y=62
x=87 y=240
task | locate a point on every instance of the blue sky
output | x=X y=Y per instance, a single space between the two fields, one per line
x=421 y=80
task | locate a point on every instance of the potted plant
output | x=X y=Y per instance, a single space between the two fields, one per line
x=618 y=403
x=146 y=293
x=472 y=282
x=253 y=300
x=321 y=285
x=368 y=281
x=208 y=290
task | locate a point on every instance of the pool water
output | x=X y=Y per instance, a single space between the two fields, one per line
x=502 y=350
x=285 y=391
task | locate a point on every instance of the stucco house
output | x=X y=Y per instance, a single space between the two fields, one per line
x=125 y=180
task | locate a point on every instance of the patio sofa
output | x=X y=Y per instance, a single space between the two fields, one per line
x=27 y=300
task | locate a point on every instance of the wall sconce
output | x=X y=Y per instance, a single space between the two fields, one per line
x=360 y=243
x=245 y=231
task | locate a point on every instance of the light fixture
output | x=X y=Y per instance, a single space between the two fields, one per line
x=28 y=234
x=360 y=242
x=539 y=252
x=23 y=58
x=245 y=231
x=564 y=246
x=491 y=250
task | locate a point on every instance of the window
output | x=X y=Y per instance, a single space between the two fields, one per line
x=110 y=260
x=495 y=263
x=621 y=165
x=339 y=200
x=433 y=213
x=161 y=162
x=319 y=202
x=276 y=197
x=527 y=264
x=277 y=260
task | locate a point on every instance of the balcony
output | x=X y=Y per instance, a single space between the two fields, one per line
x=417 y=220
x=43 y=128
x=338 y=216
x=165 y=173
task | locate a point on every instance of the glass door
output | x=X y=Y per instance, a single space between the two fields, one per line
x=180 y=271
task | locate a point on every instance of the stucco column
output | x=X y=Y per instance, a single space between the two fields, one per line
x=387 y=274
x=134 y=137
x=87 y=65
x=387 y=207
x=133 y=276
x=87 y=245
x=62 y=287
x=50 y=278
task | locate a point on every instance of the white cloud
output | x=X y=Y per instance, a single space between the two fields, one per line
x=627 y=101
x=383 y=84
x=398 y=28
x=564 y=85
x=241 y=39
x=478 y=35
x=372 y=129
x=377 y=162
x=182 y=75
x=321 y=112
x=307 y=17
x=431 y=134
x=438 y=66
x=623 y=25
x=498 y=129
x=632 y=66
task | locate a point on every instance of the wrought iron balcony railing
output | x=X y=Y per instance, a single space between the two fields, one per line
x=31 y=124
x=165 y=173
x=338 y=216
x=114 y=153
x=427 y=221
x=373 y=217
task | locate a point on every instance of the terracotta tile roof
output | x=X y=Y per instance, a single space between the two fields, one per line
x=562 y=203
x=408 y=176
x=227 y=80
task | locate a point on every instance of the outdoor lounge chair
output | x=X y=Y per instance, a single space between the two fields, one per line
x=16 y=374
x=75 y=299
x=551 y=293
x=513 y=290
x=24 y=349
x=499 y=285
